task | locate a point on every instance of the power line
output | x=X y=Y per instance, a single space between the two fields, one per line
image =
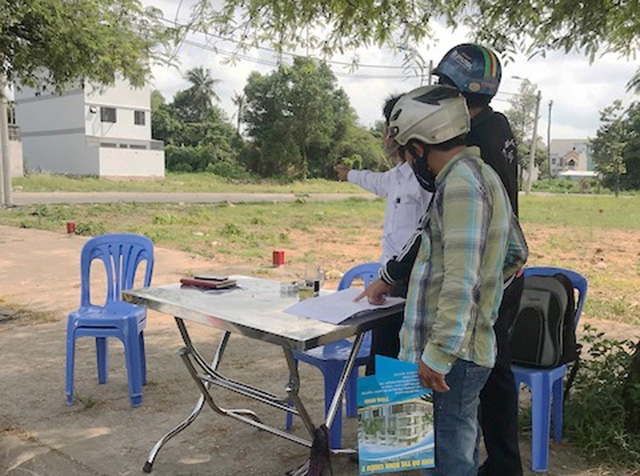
x=286 y=53
x=272 y=63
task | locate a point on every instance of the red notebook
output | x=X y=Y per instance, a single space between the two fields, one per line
x=208 y=283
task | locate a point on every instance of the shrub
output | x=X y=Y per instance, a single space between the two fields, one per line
x=595 y=415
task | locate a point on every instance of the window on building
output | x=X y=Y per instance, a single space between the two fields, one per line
x=139 y=118
x=553 y=161
x=108 y=114
x=572 y=164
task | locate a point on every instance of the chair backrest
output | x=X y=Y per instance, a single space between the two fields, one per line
x=121 y=254
x=368 y=272
x=579 y=282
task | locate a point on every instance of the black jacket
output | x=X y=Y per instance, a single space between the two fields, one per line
x=490 y=131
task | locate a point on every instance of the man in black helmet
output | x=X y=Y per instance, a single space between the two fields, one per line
x=476 y=72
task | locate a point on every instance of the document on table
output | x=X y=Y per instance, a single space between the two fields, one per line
x=339 y=306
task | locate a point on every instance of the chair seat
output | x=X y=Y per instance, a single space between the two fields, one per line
x=336 y=351
x=110 y=315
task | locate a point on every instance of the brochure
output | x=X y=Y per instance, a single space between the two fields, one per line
x=395 y=419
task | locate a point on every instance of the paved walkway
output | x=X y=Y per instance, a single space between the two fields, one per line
x=33 y=198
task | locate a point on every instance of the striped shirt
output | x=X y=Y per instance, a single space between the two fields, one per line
x=471 y=242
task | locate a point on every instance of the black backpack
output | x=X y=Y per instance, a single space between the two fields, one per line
x=543 y=334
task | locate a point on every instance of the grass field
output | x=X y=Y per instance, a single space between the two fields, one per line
x=175 y=182
x=597 y=235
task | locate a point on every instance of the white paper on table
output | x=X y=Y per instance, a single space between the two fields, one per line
x=337 y=307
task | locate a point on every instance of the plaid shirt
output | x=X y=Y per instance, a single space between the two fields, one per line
x=471 y=242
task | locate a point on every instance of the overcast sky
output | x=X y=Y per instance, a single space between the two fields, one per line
x=579 y=90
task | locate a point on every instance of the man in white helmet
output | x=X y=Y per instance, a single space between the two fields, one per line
x=469 y=244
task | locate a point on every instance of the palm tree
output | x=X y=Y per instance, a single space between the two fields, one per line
x=201 y=94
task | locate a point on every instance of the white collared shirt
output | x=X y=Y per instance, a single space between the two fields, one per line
x=406 y=203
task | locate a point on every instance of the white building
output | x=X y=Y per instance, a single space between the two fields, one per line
x=570 y=155
x=87 y=131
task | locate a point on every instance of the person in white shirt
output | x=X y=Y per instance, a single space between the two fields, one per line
x=406 y=202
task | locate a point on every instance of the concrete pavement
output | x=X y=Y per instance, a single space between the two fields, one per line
x=35 y=198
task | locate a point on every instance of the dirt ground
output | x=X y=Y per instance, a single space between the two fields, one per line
x=101 y=435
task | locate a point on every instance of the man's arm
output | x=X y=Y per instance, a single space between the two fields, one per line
x=517 y=249
x=374 y=182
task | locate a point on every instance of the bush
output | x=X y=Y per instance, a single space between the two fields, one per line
x=230 y=169
x=595 y=415
x=563 y=185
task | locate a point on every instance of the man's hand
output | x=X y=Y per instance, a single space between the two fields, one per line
x=341 y=171
x=431 y=379
x=375 y=292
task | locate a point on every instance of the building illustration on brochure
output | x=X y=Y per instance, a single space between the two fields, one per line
x=395 y=419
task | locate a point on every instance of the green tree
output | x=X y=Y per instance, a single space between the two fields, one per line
x=196 y=102
x=56 y=43
x=609 y=144
x=521 y=115
x=270 y=123
x=631 y=153
x=533 y=25
x=295 y=116
x=195 y=140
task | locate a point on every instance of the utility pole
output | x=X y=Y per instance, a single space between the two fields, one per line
x=532 y=155
x=549 y=136
x=4 y=149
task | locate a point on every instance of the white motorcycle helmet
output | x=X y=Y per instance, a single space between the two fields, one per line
x=431 y=114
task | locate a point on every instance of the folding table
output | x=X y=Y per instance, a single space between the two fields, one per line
x=253 y=309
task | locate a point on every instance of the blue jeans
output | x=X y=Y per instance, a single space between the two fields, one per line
x=456 y=421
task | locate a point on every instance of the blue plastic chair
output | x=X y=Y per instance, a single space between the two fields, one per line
x=121 y=255
x=546 y=384
x=330 y=359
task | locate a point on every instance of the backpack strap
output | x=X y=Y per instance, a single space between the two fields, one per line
x=572 y=374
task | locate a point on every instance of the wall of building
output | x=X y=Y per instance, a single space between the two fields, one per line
x=126 y=100
x=131 y=163
x=63 y=153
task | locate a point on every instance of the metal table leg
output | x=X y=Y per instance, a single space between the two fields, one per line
x=335 y=402
x=148 y=465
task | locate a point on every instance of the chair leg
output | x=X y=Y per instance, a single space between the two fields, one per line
x=540 y=416
x=134 y=366
x=288 y=423
x=557 y=409
x=143 y=358
x=331 y=378
x=351 y=393
x=102 y=357
x=71 y=358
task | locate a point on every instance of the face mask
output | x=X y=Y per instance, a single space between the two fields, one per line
x=425 y=178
